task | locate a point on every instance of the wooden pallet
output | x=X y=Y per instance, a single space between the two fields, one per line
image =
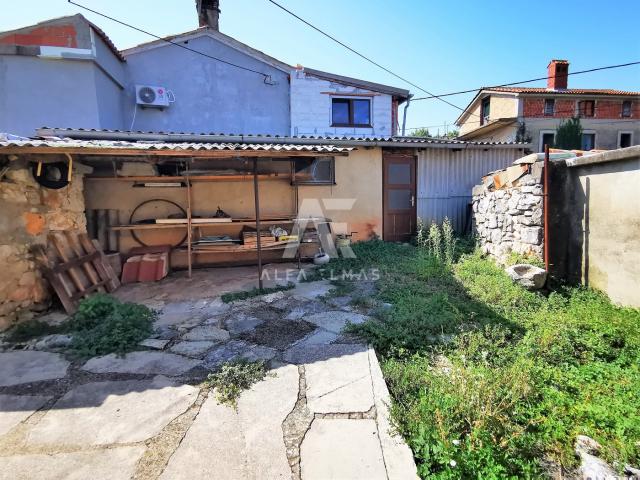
x=76 y=267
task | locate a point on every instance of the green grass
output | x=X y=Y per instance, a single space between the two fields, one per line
x=25 y=331
x=255 y=292
x=488 y=379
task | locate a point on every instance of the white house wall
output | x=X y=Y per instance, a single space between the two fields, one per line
x=311 y=107
x=446 y=177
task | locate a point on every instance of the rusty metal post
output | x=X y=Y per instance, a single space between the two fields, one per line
x=546 y=207
x=256 y=197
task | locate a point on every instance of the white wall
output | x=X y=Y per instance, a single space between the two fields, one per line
x=311 y=108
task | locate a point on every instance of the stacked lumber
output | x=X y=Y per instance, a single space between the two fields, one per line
x=250 y=239
x=76 y=267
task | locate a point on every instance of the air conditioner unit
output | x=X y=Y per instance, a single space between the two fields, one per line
x=150 y=96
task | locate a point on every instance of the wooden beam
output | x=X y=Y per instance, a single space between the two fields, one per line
x=123 y=152
x=256 y=195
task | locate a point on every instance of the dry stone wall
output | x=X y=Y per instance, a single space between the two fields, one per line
x=28 y=212
x=508 y=211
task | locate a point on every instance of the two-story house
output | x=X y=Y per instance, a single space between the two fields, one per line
x=610 y=118
x=66 y=72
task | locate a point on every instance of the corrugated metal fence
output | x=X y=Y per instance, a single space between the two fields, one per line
x=446 y=177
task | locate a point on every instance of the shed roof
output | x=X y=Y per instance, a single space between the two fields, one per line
x=159 y=148
x=345 y=141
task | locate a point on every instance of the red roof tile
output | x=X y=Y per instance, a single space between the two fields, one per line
x=568 y=91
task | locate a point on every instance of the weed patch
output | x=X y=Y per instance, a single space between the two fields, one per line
x=255 y=292
x=31 y=329
x=487 y=378
x=233 y=378
x=104 y=325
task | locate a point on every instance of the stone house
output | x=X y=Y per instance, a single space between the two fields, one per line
x=610 y=118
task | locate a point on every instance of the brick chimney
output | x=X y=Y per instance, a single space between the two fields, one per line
x=208 y=13
x=558 y=71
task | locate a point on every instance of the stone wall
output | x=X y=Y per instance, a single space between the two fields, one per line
x=508 y=211
x=28 y=212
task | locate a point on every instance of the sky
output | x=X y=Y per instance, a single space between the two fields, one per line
x=440 y=46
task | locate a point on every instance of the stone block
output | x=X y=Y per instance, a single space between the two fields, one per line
x=532 y=235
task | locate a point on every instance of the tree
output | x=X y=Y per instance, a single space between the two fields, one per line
x=452 y=133
x=421 y=132
x=522 y=136
x=569 y=135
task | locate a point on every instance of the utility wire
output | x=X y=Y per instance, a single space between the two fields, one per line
x=525 y=81
x=266 y=76
x=362 y=55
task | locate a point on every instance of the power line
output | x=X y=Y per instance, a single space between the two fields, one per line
x=361 y=55
x=525 y=81
x=265 y=75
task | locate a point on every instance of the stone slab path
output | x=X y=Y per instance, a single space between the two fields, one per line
x=321 y=412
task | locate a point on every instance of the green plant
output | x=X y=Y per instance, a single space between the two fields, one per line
x=341 y=288
x=438 y=240
x=233 y=378
x=421 y=132
x=569 y=135
x=104 y=325
x=255 y=292
x=31 y=329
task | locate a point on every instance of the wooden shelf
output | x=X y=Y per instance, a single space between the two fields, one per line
x=156 y=226
x=193 y=178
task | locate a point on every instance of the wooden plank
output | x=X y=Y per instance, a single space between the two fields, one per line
x=62 y=291
x=101 y=264
x=97 y=287
x=87 y=265
x=197 y=178
x=76 y=262
x=76 y=275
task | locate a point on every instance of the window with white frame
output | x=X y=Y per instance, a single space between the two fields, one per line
x=549 y=107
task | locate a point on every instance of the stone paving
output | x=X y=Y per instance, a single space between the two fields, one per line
x=321 y=412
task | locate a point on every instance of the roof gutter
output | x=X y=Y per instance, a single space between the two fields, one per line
x=252 y=139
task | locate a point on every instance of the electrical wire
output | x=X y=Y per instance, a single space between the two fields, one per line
x=361 y=55
x=579 y=72
x=266 y=76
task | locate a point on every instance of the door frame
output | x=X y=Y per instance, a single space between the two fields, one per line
x=414 y=158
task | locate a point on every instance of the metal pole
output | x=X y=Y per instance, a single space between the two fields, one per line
x=546 y=207
x=189 y=224
x=256 y=197
x=404 y=115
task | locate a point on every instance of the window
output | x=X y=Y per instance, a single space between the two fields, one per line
x=350 y=112
x=626 y=108
x=625 y=139
x=547 y=138
x=588 y=141
x=549 y=106
x=485 y=110
x=587 y=108
x=314 y=171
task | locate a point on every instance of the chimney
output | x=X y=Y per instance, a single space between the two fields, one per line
x=208 y=13
x=558 y=71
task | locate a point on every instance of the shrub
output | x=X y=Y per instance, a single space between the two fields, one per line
x=104 y=325
x=31 y=329
x=235 y=377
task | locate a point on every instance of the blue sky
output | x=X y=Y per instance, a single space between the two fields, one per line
x=441 y=46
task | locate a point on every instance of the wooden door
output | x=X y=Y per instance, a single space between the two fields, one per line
x=399 y=197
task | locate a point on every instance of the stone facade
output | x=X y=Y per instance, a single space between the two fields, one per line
x=29 y=213
x=508 y=211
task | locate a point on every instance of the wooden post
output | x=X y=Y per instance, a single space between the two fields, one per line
x=256 y=196
x=545 y=208
x=189 y=230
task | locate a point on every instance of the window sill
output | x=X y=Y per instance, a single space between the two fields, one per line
x=346 y=125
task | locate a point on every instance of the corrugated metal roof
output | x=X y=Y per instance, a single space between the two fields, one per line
x=177 y=146
x=342 y=140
